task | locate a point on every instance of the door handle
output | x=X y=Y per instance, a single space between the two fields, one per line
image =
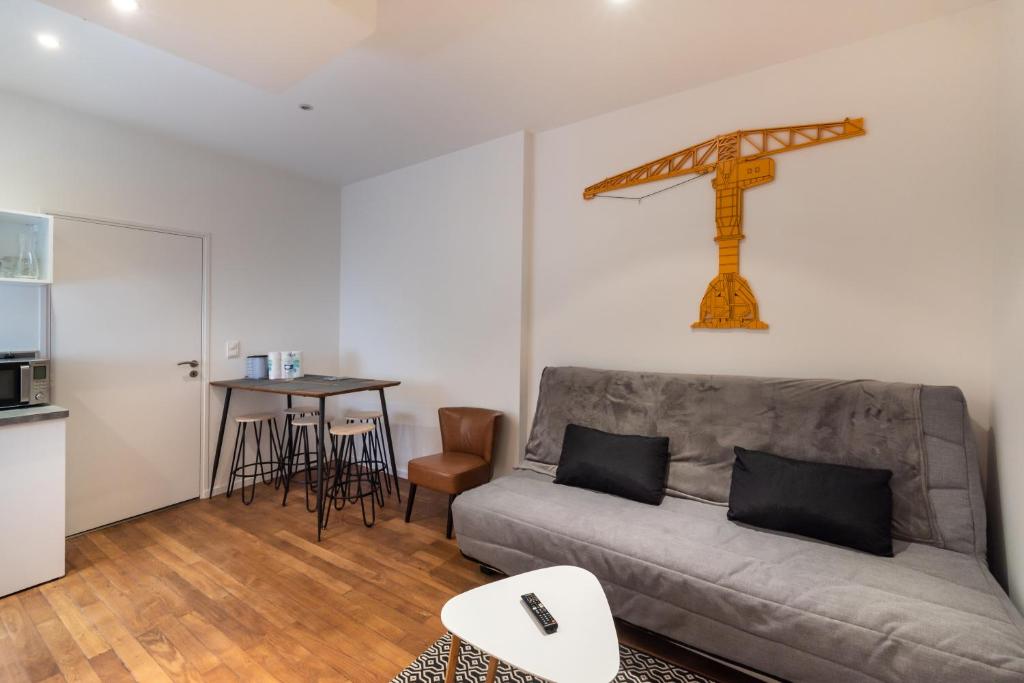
x=190 y=363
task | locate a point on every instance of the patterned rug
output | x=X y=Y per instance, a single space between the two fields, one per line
x=635 y=667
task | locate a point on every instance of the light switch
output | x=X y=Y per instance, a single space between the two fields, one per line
x=233 y=349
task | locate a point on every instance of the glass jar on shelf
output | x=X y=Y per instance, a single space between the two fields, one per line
x=27 y=264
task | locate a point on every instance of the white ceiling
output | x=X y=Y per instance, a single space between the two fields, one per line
x=241 y=38
x=437 y=75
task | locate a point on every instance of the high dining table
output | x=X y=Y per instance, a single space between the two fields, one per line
x=318 y=387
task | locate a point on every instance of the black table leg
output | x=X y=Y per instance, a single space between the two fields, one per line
x=391 y=447
x=320 y=465
x=220 y=439
x=286 y=466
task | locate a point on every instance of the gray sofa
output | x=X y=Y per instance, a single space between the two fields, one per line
x=789 y=606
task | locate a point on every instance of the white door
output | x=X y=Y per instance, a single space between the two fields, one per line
x=127 y=308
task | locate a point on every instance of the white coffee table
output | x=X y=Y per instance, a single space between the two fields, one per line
x=492 y=618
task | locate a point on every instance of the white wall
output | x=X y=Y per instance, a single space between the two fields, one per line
x=431 y=289
x=1006 y=482
x=870 y=257
x=274 y=235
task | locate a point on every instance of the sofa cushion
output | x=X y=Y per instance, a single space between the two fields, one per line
x=849 y=506
x=632 y=467
x=801 y=608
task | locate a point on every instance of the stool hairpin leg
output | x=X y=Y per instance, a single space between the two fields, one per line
x=366 y=472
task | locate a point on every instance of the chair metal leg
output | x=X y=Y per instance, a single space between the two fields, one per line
x=448 y=532
x=408 y=507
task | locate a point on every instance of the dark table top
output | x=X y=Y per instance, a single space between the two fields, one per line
x=315 y=386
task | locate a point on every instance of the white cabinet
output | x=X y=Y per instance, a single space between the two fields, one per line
x=26 y=247
x=32 y=466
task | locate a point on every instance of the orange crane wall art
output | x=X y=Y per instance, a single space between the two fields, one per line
x=740 y=160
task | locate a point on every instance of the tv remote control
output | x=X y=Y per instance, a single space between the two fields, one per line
x=540 y=613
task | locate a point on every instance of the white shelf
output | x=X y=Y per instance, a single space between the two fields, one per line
x=36 y=231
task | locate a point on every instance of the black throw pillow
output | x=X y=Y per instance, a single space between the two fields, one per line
x=633 y=467
x=850 y=506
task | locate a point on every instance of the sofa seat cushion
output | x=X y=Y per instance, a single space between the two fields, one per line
x=925 y=614
x=451 y=472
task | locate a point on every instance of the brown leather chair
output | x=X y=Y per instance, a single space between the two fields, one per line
x=467 y=444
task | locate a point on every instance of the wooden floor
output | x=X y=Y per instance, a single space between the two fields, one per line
x=216 y=591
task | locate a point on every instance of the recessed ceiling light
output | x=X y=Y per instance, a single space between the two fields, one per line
x=125 y=6
x=306 y=107
x=48 y=40
x=617 y=2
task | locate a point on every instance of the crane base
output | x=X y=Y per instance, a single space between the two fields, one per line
x=730 y=324
x=729 y=303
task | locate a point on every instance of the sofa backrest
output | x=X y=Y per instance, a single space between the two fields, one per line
x=921 y=433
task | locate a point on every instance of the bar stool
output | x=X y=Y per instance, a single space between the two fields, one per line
x=355 y=476
x=263 y=467
x=378 y=449
x=286 y=448
x=300 y=447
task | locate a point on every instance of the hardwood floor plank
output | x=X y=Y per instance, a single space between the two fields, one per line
x=188 y=573
x=10 y=670
x=189 y=646
x=65 y=651
x=36 y=606
x=165 y=540
x=74 y=621
x=221 y=674
x=162 y=650
x=28 y=651
x=101 y=539
x=234 y=657
x=130 y=613
x=128 y=649
x=110 y=668
x=288 y=659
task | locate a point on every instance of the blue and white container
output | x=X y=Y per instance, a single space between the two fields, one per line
x=256 y=367
x=292 y=363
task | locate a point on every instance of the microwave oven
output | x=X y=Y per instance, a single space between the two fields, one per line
x=24 y=380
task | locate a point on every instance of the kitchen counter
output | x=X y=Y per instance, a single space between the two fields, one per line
x=15 y=416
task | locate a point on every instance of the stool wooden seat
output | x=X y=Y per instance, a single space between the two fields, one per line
x=301 y=410
x=351 y=429
x=306 y=421
x=467 y=444
x=255 y=417
x=364 y=414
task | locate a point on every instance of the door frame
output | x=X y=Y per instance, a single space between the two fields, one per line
x=204 y=345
